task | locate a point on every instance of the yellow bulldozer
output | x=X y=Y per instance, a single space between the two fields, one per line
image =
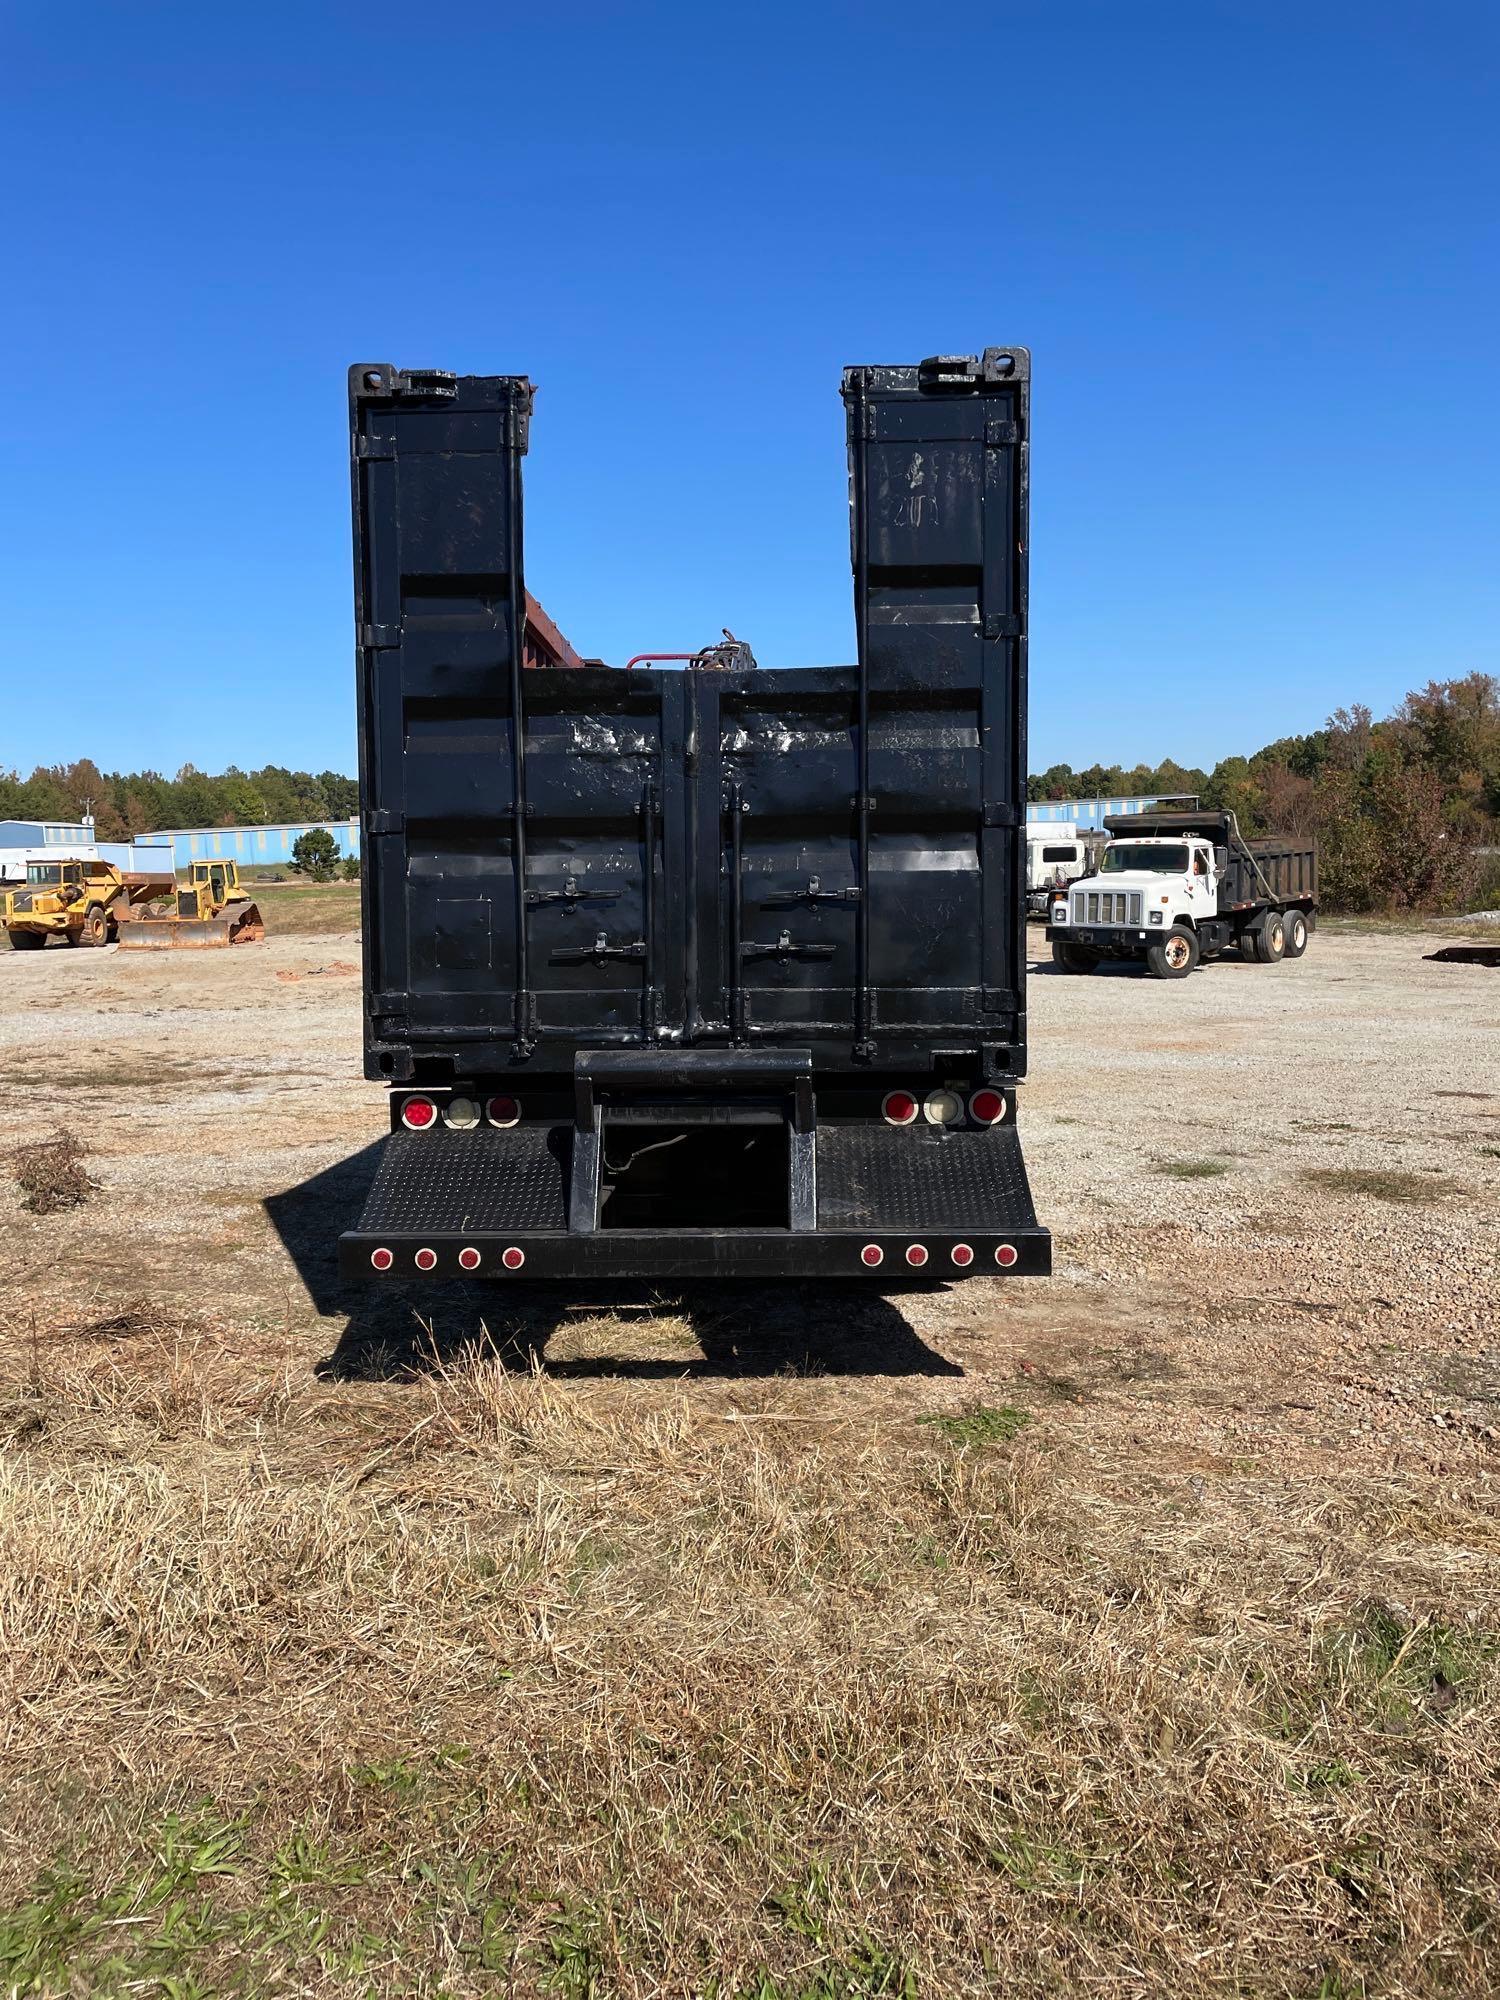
x=210 y=908
x=81 y=902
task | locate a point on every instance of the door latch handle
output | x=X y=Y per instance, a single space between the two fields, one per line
x=786 y=946
x=600 y=949
x=813 y=893
x=569 y=893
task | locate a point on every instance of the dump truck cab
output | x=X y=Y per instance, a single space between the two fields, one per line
x=73 y=900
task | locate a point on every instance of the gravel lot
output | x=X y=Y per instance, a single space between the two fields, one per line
x=1275 y=1193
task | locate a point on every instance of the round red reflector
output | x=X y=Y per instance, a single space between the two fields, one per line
x=513 y=1258
x=417 y=1113
x=468 y=1259
x=962 y=1254
x=381 y=1259
x=1006 y=1255
x=916 y=1253
x=503 y=1111
x=425 y=1260
x=899 y=1108
x=986 y=1107
x=872 y=1254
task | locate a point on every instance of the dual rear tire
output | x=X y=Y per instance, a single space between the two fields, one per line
x=1276 y=935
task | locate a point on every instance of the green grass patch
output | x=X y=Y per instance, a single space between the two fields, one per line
x=1404 y=1671
x=1381 y=1184
x=980 y=1425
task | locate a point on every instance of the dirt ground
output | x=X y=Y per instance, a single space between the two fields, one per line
x=1274 y=1193
x=1131 y=1633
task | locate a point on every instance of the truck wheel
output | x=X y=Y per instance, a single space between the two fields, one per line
x=95 y=926
x=1270 y=938
x=1069 y=957
x=1296 y=933
x=1175 y=955
x=27 y=940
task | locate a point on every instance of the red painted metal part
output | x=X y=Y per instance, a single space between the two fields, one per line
x=545 y=644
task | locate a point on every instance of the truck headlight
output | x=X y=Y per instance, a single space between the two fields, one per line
x=1153 y=916
x=1059 y=913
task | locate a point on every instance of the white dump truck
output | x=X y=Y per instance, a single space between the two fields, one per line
x=1176 y=889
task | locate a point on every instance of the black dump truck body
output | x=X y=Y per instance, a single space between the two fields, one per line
x=707 y=971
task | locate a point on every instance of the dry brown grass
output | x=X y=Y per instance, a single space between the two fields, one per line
x=487 y=1683
x=50 y=1173
x=307 y=909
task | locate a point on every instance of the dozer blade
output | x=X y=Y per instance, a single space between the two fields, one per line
x=236 y=923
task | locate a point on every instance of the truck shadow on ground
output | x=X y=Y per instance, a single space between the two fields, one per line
x=394 y=1332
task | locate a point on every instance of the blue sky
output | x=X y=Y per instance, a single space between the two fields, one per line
x=1252 y=247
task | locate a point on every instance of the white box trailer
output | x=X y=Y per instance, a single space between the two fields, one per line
x=1057 y=854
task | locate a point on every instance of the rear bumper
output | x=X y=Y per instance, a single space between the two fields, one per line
x=489 y=1191
x=692 y=1253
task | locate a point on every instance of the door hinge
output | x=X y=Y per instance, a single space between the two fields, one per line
x=381 y=380
x=377 y=638
x=384 y=822
x=1002 y=625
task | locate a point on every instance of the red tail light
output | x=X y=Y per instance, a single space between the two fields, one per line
x=503 y=1111
x=1006 y=1255
x=426 y=1260
x=872 y=1254
x=916 y=1254
x=899 y=1108
x=417 y=1113
x=382 y=1259
x=468 y=1259
x=986 y=1107
x=513 y=1258
x=962 y=1254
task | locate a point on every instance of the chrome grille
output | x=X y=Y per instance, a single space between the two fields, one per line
x=1107 y=906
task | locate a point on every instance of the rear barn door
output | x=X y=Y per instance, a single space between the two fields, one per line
x=508 y=894
x=813 y=915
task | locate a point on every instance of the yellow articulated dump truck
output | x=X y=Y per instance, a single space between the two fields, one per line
x=210 y=908
x=81 y=902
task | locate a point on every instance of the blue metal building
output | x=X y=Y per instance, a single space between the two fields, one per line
x=1091 y=812
x=253 y=846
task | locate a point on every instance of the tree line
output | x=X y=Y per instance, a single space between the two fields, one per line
x=125 y=803
x=1398 y=807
